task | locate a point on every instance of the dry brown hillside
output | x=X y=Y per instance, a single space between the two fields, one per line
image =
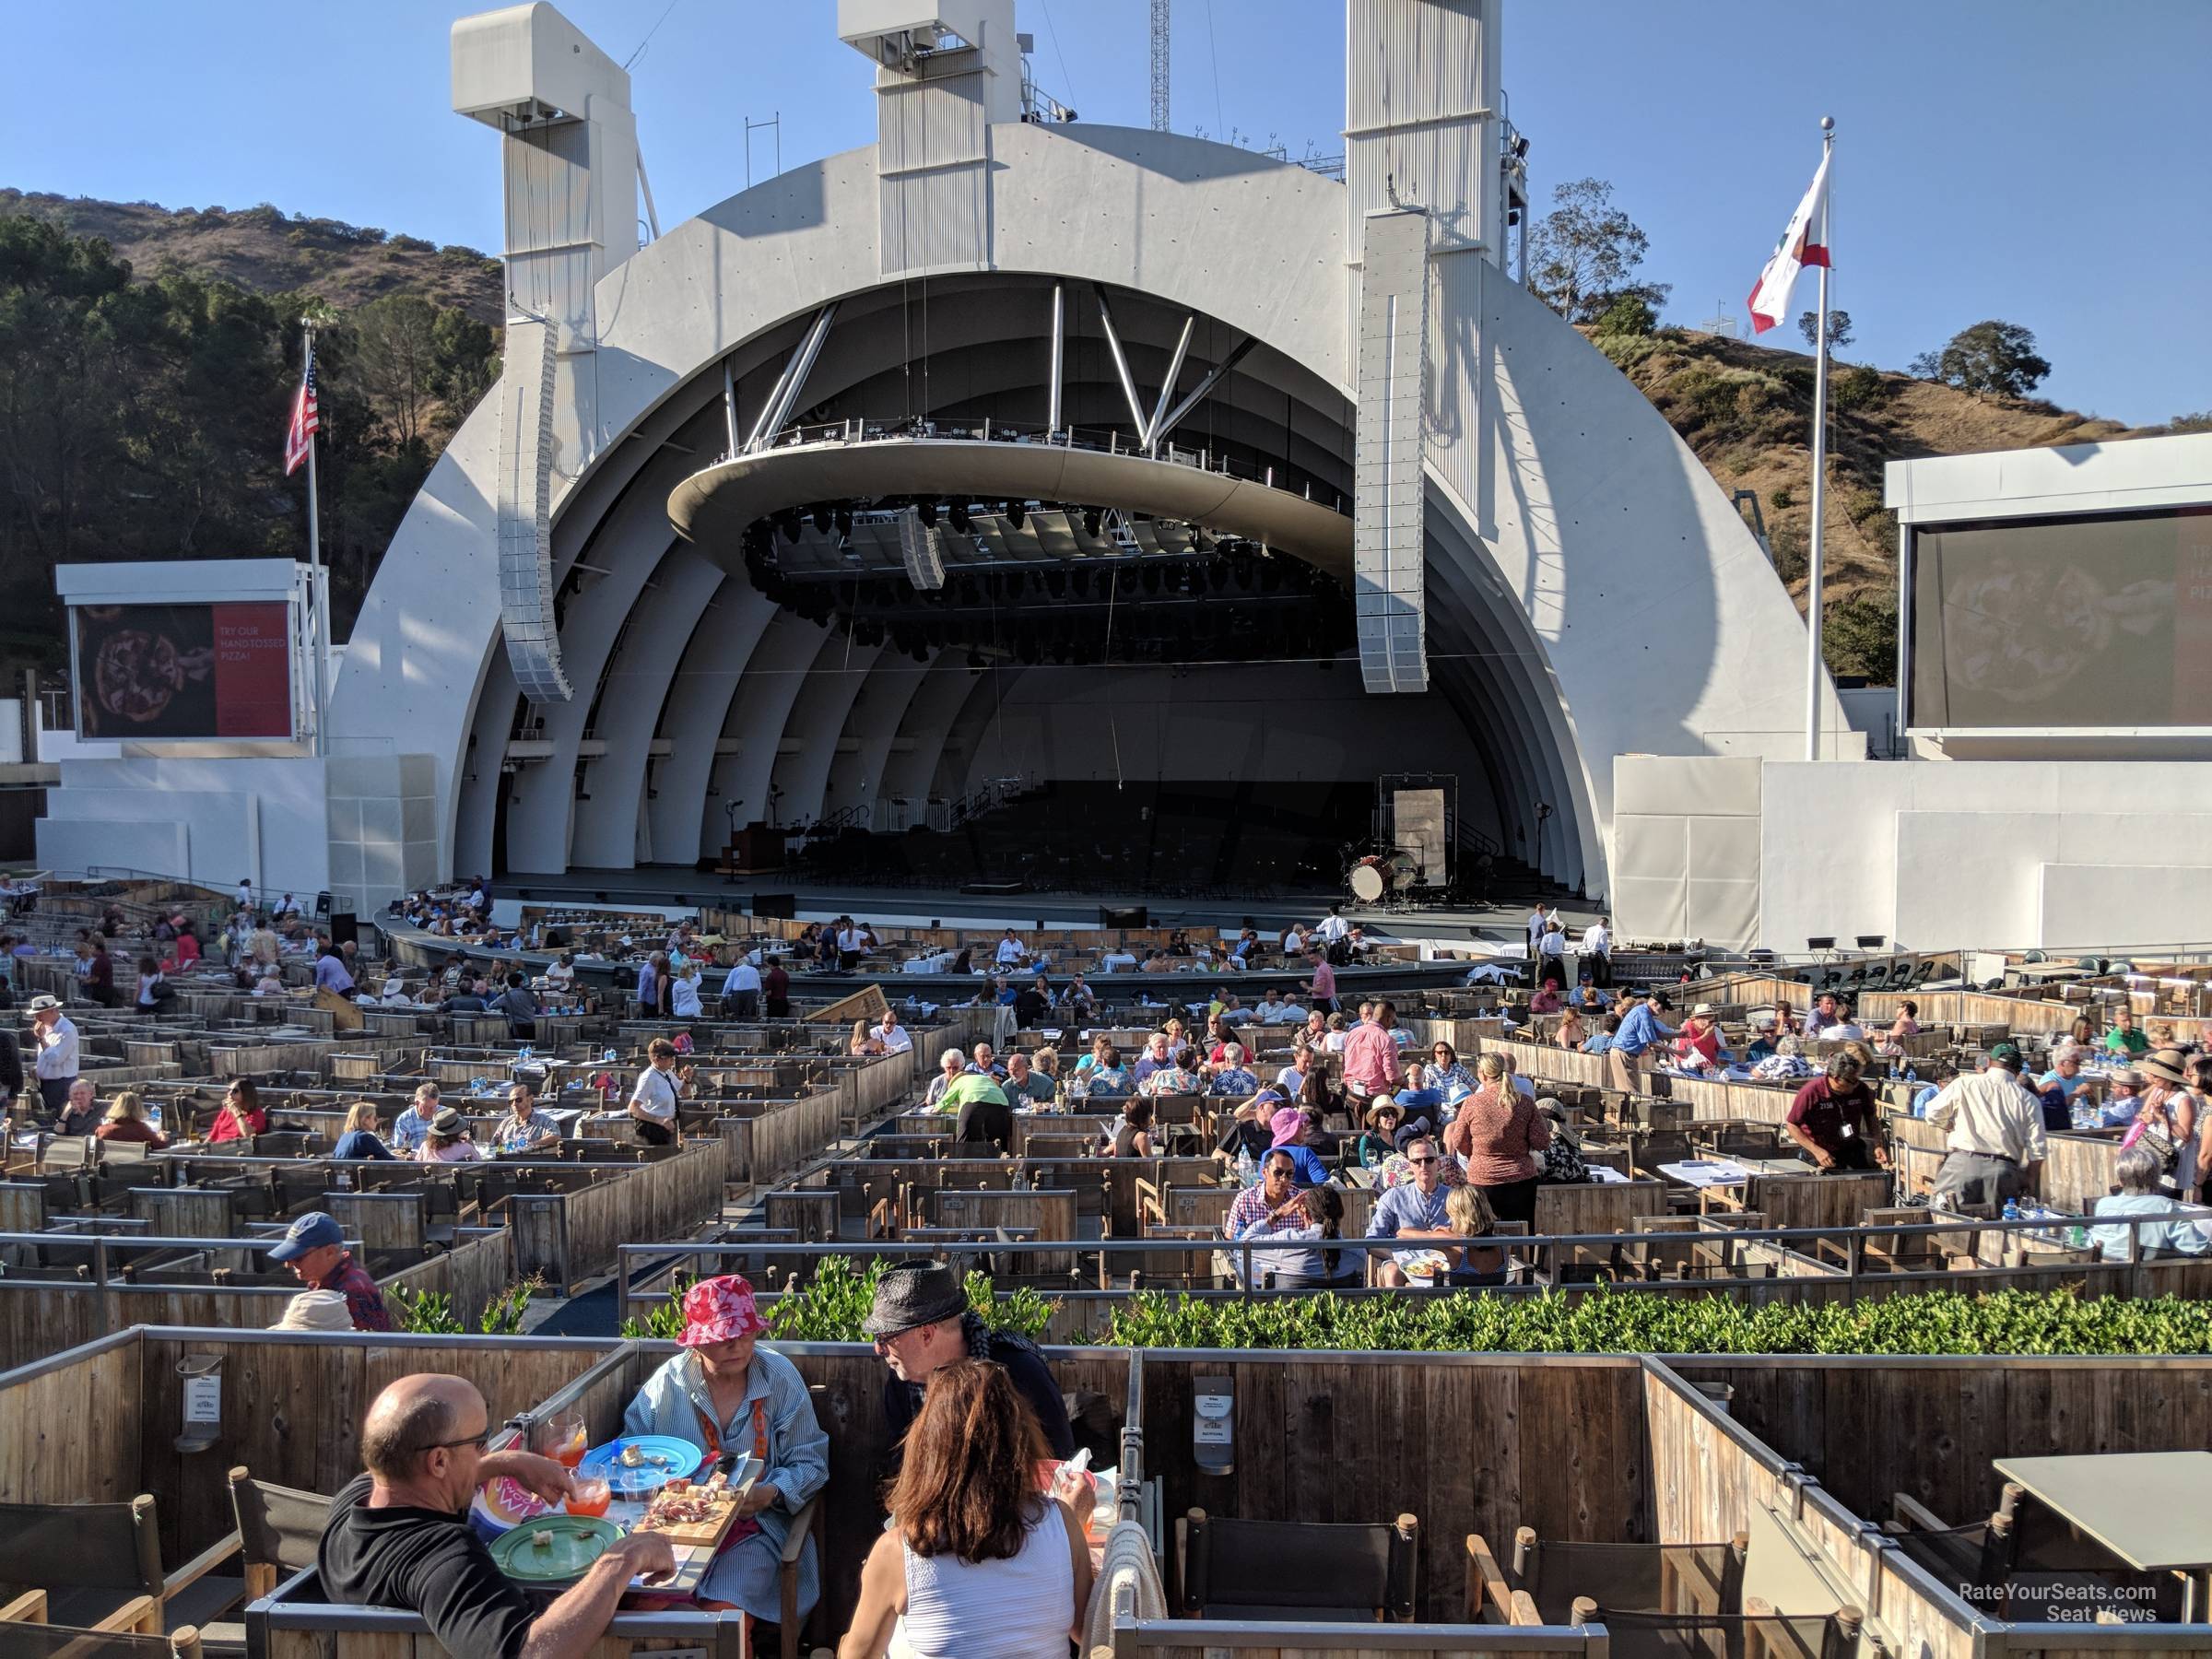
x=270 y=252
x=1747 y=410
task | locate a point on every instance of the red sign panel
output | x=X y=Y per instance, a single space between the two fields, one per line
x=184 y=672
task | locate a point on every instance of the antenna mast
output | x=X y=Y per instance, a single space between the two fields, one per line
x=1160 y=65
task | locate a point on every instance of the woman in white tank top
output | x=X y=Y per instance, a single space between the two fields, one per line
x=976 y=1563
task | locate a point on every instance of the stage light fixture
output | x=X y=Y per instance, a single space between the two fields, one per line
x=821 y=519
x=928 y=512
x=1216 y=576
x=1080 y=577
x=1055 y=583
x=791 y=529
x=1090 y=521
x=1015 y=513
x=960 y=520
x=843 y=518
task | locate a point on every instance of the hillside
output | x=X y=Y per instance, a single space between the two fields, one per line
x=1747 y=412
x=266 y=251
x=396 y=388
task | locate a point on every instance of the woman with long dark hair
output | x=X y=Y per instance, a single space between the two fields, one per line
x=977 y=1562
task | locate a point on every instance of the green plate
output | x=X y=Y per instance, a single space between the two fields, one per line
x=578 y=1541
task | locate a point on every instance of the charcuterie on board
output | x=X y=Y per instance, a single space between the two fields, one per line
x=700 y=1515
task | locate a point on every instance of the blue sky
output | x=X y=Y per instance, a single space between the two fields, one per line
x=2028 y=159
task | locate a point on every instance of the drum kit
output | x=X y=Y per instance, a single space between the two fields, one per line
x=1377 y=875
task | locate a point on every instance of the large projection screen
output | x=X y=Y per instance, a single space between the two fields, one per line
x=2090 y=621
x=181 y=672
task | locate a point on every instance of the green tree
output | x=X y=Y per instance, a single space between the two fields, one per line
x=1991 y=357
x=1582 y=255
x=394 y=352
x=1859 y=636
x=1632 y=314
x=1838 y=329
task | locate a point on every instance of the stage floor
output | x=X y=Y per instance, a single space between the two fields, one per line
x=679 y=888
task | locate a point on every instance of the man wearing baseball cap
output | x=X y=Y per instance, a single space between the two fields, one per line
x=1641 y=1027
x=55 y=1064
x=724 y=1392
x=1993 y=1132
x=314 y=1248
x=920 y=1324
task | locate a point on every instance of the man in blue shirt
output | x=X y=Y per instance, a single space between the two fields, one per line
x=1418 y=1204
x=1640 y=1029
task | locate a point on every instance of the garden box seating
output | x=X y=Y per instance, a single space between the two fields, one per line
x=1642 y=1578
x=278 y=1529
x=1297 y=1571
x=26 y=1633
x=99 y=1566
x=1759 y=1632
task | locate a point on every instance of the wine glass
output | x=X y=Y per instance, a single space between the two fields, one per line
x=562 y=1437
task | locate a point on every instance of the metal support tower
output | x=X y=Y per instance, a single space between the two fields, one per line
x=1160 y=65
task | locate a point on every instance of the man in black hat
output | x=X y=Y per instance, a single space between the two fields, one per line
x=921 y=1324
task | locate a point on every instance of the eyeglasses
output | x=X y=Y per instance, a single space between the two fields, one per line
x=479 y=1442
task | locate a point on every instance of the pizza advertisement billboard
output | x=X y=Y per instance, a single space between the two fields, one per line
x=184 y=672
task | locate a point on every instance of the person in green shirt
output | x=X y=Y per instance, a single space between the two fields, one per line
x=2124 y=1039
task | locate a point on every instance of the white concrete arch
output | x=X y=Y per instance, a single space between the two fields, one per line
x=871 y=728
x=809 y=750
x=912 y=764
x=635 y=684
x=692 y=717
x=782 y=668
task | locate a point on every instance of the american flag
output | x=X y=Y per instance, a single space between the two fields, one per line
x=299 y=436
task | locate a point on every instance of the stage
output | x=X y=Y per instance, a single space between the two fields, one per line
x=670 y=888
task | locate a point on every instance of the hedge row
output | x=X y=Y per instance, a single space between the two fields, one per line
x=1627 y=1322
x=830 y=1306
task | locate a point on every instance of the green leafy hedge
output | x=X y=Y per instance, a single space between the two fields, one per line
x=830 y=1306
x=2005 y=1321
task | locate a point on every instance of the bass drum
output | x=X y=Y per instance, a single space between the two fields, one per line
x=1367 y=880
x=1405 y=870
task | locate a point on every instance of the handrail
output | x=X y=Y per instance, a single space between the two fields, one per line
x=1095 y=441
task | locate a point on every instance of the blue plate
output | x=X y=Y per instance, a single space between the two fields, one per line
x=663 y=1458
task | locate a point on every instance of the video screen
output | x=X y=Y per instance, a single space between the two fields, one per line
x=2087 y=621
x=183 y=671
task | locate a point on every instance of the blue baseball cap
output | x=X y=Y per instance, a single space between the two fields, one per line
x=310 y=1231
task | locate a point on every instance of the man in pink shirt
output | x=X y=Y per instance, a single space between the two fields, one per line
x=1322 y=987
x=1370 y=1055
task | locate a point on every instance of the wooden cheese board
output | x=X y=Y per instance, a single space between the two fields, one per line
x=700 y=1515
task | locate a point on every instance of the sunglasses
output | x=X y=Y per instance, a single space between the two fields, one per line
x=1418 y=1162
x=479 y=1442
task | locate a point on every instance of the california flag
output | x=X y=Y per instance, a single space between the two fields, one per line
x=1804 y=243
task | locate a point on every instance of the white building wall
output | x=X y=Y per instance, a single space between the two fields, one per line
x=1949 y=854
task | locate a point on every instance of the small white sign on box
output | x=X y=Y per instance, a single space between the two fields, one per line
x=1215 y=1424
x=203 y=1401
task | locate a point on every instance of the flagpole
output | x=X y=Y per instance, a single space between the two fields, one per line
x=1813 y=578
x=319 y=642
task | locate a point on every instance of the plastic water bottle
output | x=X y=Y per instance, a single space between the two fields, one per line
x=1246 y=1171
x=153 y=1116
x=2012 y=1209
